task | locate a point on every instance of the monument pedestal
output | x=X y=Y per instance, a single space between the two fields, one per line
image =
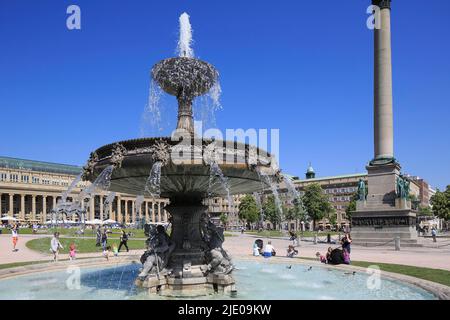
x=383 y=216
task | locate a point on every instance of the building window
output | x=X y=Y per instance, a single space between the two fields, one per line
x=25 y=179
x=14 y=177
x=3 y=176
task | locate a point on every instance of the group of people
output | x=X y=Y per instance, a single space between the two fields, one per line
x=338 y=255
x=101 y=240
x=267 y=252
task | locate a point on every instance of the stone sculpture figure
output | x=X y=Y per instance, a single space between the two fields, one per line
x=157 y=256
x=361 y=190
x=218 y=259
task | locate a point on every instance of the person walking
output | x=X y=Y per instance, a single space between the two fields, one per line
x=123 y=240
x=433 y=234
x=104 y=239
x=55 y=246
x=98 y=237
x=15 y=236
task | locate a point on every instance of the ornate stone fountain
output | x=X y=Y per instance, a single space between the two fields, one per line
x=191 y=259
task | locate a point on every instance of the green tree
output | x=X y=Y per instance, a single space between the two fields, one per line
x=316 y=203
x=425 y=211
x=271 y=211
x=351 y=206
x=296 y=212
x=441 y=203
x=224 y=219
x=248 y=210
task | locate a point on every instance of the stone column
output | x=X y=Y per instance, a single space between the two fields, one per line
x=101 y=206
x=33 y=207
x=383 y=118
x=153 y=212
x=1 y=204
x=110 y=211
x=119 y=209
x=54 y=202
x=146 y=211
x=22 y=207
x=159 y=211
x=133 y=212
x=11 y=205
x=126 y=211
x=44 y=209
x=92 y=208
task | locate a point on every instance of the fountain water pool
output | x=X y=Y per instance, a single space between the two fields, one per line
x=254 y=280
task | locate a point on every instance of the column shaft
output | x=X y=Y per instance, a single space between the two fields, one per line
x=11 y=205
x=383 y=117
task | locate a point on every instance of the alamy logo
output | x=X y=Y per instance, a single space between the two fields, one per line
x=374 y=20
x=374 y=279
x=73 y=22
x=73 y=281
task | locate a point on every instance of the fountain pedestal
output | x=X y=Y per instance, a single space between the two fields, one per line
x=188 y=272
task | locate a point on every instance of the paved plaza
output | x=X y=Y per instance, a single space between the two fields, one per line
x=430 y=255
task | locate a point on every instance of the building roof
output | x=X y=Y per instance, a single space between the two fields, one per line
x=334 y=177
x=22 y=164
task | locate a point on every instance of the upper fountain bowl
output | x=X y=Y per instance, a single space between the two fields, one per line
x=182 y=76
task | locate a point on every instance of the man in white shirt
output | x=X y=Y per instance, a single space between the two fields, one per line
x=269 y=250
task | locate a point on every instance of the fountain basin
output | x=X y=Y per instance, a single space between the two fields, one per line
x=186 y=177
x=257 y=279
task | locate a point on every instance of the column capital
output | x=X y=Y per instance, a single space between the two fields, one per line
x=382 y=4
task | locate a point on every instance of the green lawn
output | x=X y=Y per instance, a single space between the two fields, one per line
x=435 y=275
x=137 y=233
x=82 y=245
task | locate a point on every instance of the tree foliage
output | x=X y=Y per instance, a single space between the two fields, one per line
x=271 y=211
x=316 y=203
x=441 y=204
x=224 y=218
x=248 y=210
x=351 y=206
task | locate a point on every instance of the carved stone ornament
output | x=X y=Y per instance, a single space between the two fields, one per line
x=161 y=152
x=118 y=154
x=88 y=169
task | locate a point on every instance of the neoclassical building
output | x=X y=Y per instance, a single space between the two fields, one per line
x=29 y=190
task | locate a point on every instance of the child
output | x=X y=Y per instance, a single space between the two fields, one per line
x=72 y=251
x=15 y=237
x=321 y=257
x=115 y=250
x=255 y=250
x=106 y=252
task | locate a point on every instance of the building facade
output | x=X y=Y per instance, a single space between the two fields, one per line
x=29 y=190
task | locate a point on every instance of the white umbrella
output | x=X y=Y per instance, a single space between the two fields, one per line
x=54 y=222
x=95 y=221
x=109 y=221
x=8 y=218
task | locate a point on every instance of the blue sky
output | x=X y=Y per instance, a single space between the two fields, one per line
x=304 y=67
